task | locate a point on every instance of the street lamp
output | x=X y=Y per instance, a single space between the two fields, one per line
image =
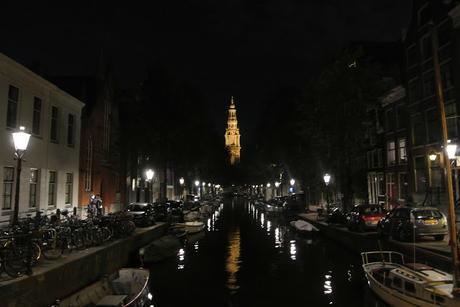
x=149 y=174
x=181 y=182
x=21 y=140
x=327 y=179
x=292 y=182
x=432 y=156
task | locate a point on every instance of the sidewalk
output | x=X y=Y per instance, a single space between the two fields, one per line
x=52 y=280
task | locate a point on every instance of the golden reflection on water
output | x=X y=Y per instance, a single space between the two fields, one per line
x=233 y=260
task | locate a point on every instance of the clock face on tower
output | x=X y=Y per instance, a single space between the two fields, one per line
x=232 y=134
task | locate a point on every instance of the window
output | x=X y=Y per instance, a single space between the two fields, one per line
x=420 y=174
x=451 y=118
x=389 y=120
x=397 y=282
x=414 y=90
x=391 y=153
x=409 y=287
x=428 y=84
x=433 y=126
x=427 y=50
x=54 y=124
x=403 y=186
x=418 y=129
x=52 y=189
x=402 y=154
x=446 y=76
x=33 y=188
x=8 y=179
x=69 y=188
x=369 y=159
x=36 y=116
x=423 y=15
x=71 y=130
x=12 y=109
x=381 y=184
x=411 y=56
x=391 y=192
x=401 y=115
x=444 y=33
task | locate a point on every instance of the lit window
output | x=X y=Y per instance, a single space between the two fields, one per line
x=402 y=151
x=33 y=188
x=8 y=179
x=391 y=153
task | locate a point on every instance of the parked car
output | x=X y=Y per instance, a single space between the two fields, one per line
x=143 y=214
x=406 y=223
x=365 y=217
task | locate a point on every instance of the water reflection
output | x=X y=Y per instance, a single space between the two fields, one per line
x=181 y=259
x=233 y=260
x=293 y=250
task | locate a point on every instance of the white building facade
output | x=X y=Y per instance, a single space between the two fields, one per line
x=50 y=168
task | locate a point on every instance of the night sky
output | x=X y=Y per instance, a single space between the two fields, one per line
x=234 y=47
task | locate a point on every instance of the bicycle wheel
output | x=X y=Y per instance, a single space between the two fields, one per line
x=51 y=250
x=14 y=260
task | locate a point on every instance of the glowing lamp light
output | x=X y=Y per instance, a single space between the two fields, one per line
x=292 y=181
x=197 y=183
x=149 y=174
x=268 y=185
x=451 y=150
x=327 y=178
x=432 y=156
x=277 y=184
x=209 y=184
x=181 y=181
x=204 y=183
x=21 y=139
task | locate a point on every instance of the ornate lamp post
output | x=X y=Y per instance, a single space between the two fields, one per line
x=149 y=174
x=277 y=185
x=21 y=140
x=181 y=182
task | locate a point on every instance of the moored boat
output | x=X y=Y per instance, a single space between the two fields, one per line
x=412 y=284
x=127 y=287
x=160 y=249
x=302 y=226
x=191 y=227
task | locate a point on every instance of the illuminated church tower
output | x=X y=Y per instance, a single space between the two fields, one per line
x=232 y=135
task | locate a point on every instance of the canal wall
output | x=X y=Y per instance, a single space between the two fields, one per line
x=65 y=276
x=369 y=241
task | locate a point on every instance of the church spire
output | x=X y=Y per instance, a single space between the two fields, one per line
x=232 y=134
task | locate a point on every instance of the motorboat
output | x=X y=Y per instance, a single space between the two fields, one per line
x=126 y=287
x=303 y=226
x=160 y=249
x=411 y=284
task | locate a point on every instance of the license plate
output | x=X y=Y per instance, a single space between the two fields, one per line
x=430 y=222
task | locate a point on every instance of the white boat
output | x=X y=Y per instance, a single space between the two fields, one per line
x=191 y=227
x=303 y=226
x=412 y=284
x=127 y=287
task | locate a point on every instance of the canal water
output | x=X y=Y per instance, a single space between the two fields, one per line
x=249 y=258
